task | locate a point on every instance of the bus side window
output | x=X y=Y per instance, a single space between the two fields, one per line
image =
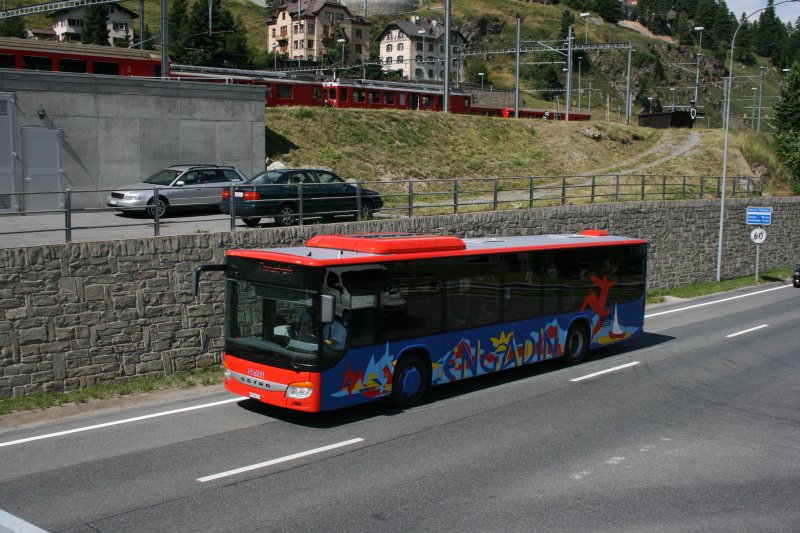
x=412 y=303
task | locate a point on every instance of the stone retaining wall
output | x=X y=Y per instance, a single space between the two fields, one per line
x=76 y=314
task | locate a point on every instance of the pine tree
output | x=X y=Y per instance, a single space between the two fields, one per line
x=787 y=110
x=609 y=10
x=178 y=20
x=12 y=27
x=95 y=25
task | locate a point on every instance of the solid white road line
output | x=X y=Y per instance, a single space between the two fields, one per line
x=620 y=367
x=9 y=522
x=118 y=422
x=279 y=460
x=716 y=301
x=762 y=326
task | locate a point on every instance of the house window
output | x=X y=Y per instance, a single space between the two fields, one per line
x=359 y=34
x=358 y=48
x=399 y=59
x=419 y=46
x=339 y=16
x=310 y=45
x=273 y=32
x=120 y=26
x=430 y=47
x=430 y=73
x=311 y=27
x=419 y=73
x=75 y=22
x=388 y=60
x=388 y=48
x=400 y=47
x=328 y=16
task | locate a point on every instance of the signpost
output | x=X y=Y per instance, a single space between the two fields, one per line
x=759 y=216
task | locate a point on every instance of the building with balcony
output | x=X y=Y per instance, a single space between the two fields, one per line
x=68 y=23
x=306 y=30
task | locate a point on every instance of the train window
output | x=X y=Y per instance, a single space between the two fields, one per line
x=332 y=94
x=388 y=98
x=106 y=67
x=402 y=99
x=36 y=63
x=374 y=97
x=343 y=94
x=428 y=100
x=317 y=93
x=359 y=96
x=284 y=90
x=72 y=65
x=7 y=61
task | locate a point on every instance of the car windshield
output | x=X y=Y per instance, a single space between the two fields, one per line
x=163 y=177
x=267 y=178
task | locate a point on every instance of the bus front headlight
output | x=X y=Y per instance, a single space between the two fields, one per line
x=300 y=390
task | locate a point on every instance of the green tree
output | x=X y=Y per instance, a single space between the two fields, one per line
x=472 y=69
x=609 y=10
x=545 y=79
x=176 y=26
x=787 y=124
x=12 y=27
x=567 y=20
x=95 y=28
x=224 y=45
x=148 y=39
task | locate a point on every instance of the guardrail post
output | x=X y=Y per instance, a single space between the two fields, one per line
x=358 y=201
x=594 y=185
x=496 y=193
x=683 y=192
x=643 y=178
x=616 y=193
x=300 y=203
x=232 y=207
x=410 y=198
x=156 y=214
x=68 y=215
x=702 y=186
x=455 y=196
x=532 y=194
x=663 y=187
x=563 y=190
x=733 y=192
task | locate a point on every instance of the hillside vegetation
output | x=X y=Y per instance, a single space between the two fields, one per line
x=387 y=145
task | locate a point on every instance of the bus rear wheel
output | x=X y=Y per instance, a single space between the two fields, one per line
x=410 y=380
x=577 y=344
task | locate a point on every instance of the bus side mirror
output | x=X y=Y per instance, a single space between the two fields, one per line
x=326 y=308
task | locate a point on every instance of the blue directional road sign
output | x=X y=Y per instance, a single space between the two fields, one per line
x=759 y=216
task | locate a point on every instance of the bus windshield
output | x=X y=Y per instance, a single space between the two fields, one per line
x=278 y=322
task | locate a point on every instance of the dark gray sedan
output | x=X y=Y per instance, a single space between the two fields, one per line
x=282 y=194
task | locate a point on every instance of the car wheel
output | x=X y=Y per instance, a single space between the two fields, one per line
x=251 y=222
x=161 y=206
x=410 y=380
x=577 y=344
x=287 y=215
x=366 y=210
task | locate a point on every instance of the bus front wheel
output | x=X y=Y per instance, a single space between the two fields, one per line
x=410 y=380
x=577 y=344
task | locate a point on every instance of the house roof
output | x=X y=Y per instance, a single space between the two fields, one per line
x=432 y=30
x=121 y=8
x=310 y=8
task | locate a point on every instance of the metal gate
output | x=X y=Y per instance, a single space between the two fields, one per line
x=8 y=156
x=41 y=169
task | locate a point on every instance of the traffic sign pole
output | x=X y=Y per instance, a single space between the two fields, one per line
x=758 y=235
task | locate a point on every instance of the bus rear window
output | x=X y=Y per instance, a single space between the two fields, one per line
x=72 y=65
x=106 y=67
x=36 y=63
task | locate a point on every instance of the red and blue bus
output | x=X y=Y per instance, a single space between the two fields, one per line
x=346 y=319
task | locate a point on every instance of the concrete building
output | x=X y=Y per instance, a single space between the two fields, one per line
x=90 y=133
x=415 y=49
x=68 y=23
x=307 y=31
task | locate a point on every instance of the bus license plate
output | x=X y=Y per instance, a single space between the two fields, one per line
x=255 y=395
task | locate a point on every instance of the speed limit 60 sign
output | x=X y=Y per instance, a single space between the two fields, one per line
x=758 y=235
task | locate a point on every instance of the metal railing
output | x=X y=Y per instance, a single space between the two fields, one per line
x=400 y=198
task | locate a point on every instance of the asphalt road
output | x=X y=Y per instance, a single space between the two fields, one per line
x=695 y=426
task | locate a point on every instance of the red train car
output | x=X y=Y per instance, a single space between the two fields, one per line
x=372 y=94
x=29 y=54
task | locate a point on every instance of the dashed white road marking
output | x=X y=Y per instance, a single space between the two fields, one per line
x=606 y=371
x=279 y=460
x=762 y=326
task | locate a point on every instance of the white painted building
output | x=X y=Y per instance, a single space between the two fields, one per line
x=68 y=23
x=415 y=49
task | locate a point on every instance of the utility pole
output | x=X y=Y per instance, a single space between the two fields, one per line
x=164 y=39
x=516 y=69
x=760 y=94
x=628 y=87
x=447 y=61
x=569 y=72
